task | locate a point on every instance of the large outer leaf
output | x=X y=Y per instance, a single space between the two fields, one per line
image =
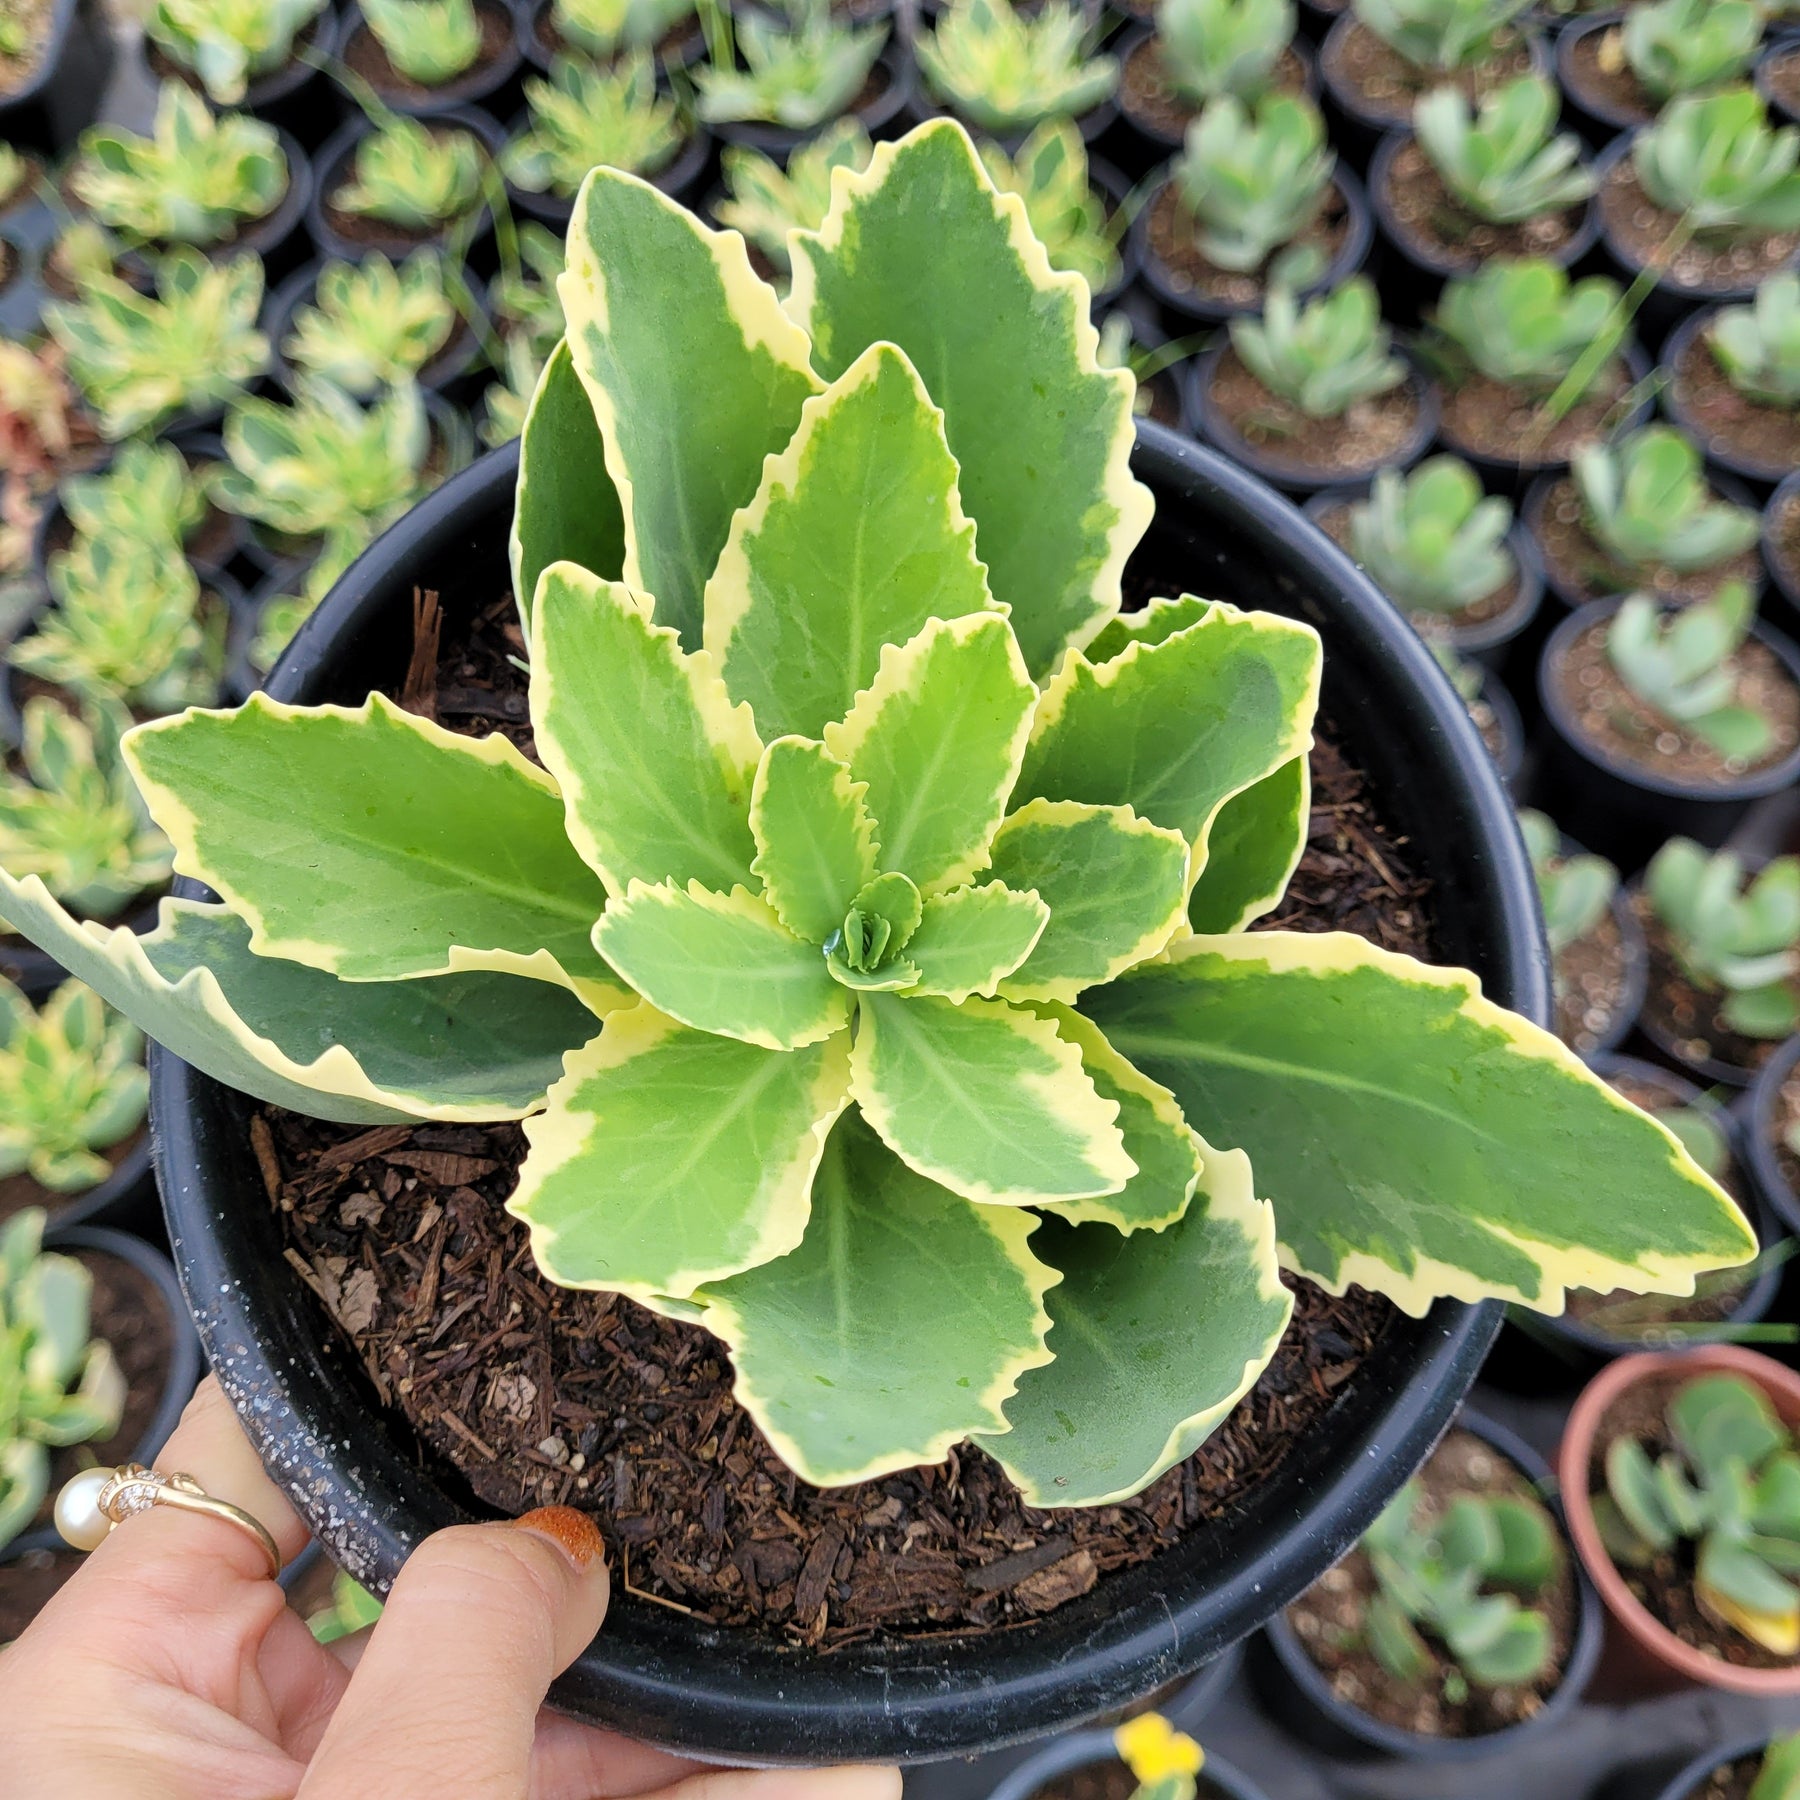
x=972 y=936
x=985 y=1099
x=1252 y=850
x=370 y=843
x=654 y=762
x=815 y=841
x=1114 y=884
x=1174 y=729
x=937 y=738
x=694 y=372
x=668 y=1157
x=463 y=1047
x=1043 y=435
x=899 y=1327
x=1414 y=1136
x=723 y=963
x=566 y=509
x=856 y=538
x=1155 y=1338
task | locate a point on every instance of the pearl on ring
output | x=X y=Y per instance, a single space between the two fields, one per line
x=78 y=1515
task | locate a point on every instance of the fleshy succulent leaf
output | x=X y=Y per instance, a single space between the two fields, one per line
x=971 y=937
x=815 y=841
x=1254 y=847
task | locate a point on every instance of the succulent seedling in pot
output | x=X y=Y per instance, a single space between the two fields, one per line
x=1590 y=966
x=798 y=72
x=1574 y=891
x=415 y=176
x=896 y=933
x=1324 y=355
x=585 y=117
x=602 y=28
x=228 y=44
x=370 y=325
x=430 y=42
x=765 y=201
x=146 y=495
x=1050 y=174
x=1004 y=70
x=1251 y=183
x=1434 y=544
x=1758 y=346
x=1723 y=1497
x=1439 y=35
x=1504 y=161
x=1523 y=323
x=1214 y=47
x=1677 y=47
x=1714 y=161
x=58 y=1386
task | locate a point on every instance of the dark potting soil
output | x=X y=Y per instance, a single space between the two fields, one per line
x=1729 y=423
x=1386 y=85
x=1616 y=722
x=1591 y=985
x=1147 y=95
x=1782 y=74
x=1368 y=434
x=541 y=1394
x=1108 y=1781
x=1438 y=225
x=1172 y=243
x=1690 y=1014
x=1665 y=1588
x=1329 y=1618
x=1487 y=418
x=364 y=56
x=1641 y=231
x=33 y=18
x=1334 y=521
x=20 y=1191
x=1588 y=572
x=1599 y=70
x=27 y=1585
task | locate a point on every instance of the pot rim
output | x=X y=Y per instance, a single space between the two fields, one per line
x=1349 y=101
x=1759 y=1153
x=1786 y=581
x=1687 y=1780
x=1601 y=111
x=62 y=20
x=1675 y=346
x=1651 y=1636
x=319 y=36
x=461 y=91
x=1141 y=31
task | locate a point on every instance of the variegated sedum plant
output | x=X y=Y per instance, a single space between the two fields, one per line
x=868 y=957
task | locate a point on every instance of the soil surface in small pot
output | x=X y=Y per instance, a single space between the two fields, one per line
x=1592 y=981
x=1587 y=572
x=387 y=235
x=1148 y=97
x=1386 y=85
x=1690 y=1014
x=1187 y=270
x=1781 y=74
x=1639 y=229
x=1730 y=424
x=1329 y=1618
x=1666 y=1587
x=20 y=1191
x=1437 y=225
x=1624 y=729
x=1598 y=70
x=165 y=68
x=28 y=1584
x=1483 y=417
x=1108 y=1781
x=668 y=47
x=1367 y=435
x=34 y=18
x=1334 y=521
x=364 y=56
x=539 y=1394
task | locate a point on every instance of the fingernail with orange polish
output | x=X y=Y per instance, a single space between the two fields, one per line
x=572 y=1532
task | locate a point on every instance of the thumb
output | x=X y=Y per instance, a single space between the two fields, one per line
x=446 y=1696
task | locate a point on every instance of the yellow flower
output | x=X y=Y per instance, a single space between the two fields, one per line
x=1154 y=1750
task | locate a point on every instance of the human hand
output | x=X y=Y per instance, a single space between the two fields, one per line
x=170 y=1668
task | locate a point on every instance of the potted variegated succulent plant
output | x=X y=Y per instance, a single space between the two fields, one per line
x=850 y=998
x=425 y=58
x=1619 y=72
x=604 y=29
x=261 y=56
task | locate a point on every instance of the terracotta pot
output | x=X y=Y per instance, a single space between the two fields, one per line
x=1647 y=1636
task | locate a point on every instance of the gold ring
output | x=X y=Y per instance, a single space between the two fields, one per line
x=95 y=1501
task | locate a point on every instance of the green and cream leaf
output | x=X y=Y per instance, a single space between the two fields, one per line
x=1257 y=839
x=970 y=937
x=815 y=841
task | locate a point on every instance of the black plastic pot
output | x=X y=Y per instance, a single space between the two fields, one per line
x=1155 y=141
x=1508 y=756
x=1619 y=809
x=370 y=1491
x=1784 y=571
x=1665 y=1779
x=1293 y=478
x=1758 y=1136
x=1598 y=119
x=493 y=84
x=687 y=50
x=61 y=96
x=1760 y=475
x=1293 y=1689
x=333 y=169
x=886 y=114
x=1783 y=48
x=1637 y=977
x=1195 y=309
x=126 y=1199
x=680 y=180
x=1091 y=1749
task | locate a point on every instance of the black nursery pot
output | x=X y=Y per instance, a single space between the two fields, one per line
x=1783 y=560
x=1093 y=1750
x=1783 y=49
x=678 y=51
x=1664 y=1779
x=680 y=180
x=1293 y=1688
x=494 y=81
x=371 y=1491
x=62 y=95
x=1619 y=809
x=1758 y=1134
x=891 y=108
x=1762 y=475
x=1154 y=140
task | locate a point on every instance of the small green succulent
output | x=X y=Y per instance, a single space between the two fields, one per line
x=1050 y=174
x=1713 y=159
x=587 y=117
x=1506 y=162
x=1214 y=47
x=229 y=43
x=72 y=815
x=1253 y=181
x=523 y=297
x=1122 y=347
x=1574 y=891
x=1439 y=34
x=58 y=1387
x=1322 y=356
x=140 y=360
x=195 y=180
x=1739 y=941
x=505 y=402
x=605 y=27
x=1523 y=323
x=1004 y=70
x=798 y=72
x=146 y=495
x=1433 y=544
x=415 y=175
x=765 y=202
x=1758 y=346
x=370 y=325
x=353 y=1608
x=429 y=41
x=1682 y=666
x=1686 y=46
x=1645 y=500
